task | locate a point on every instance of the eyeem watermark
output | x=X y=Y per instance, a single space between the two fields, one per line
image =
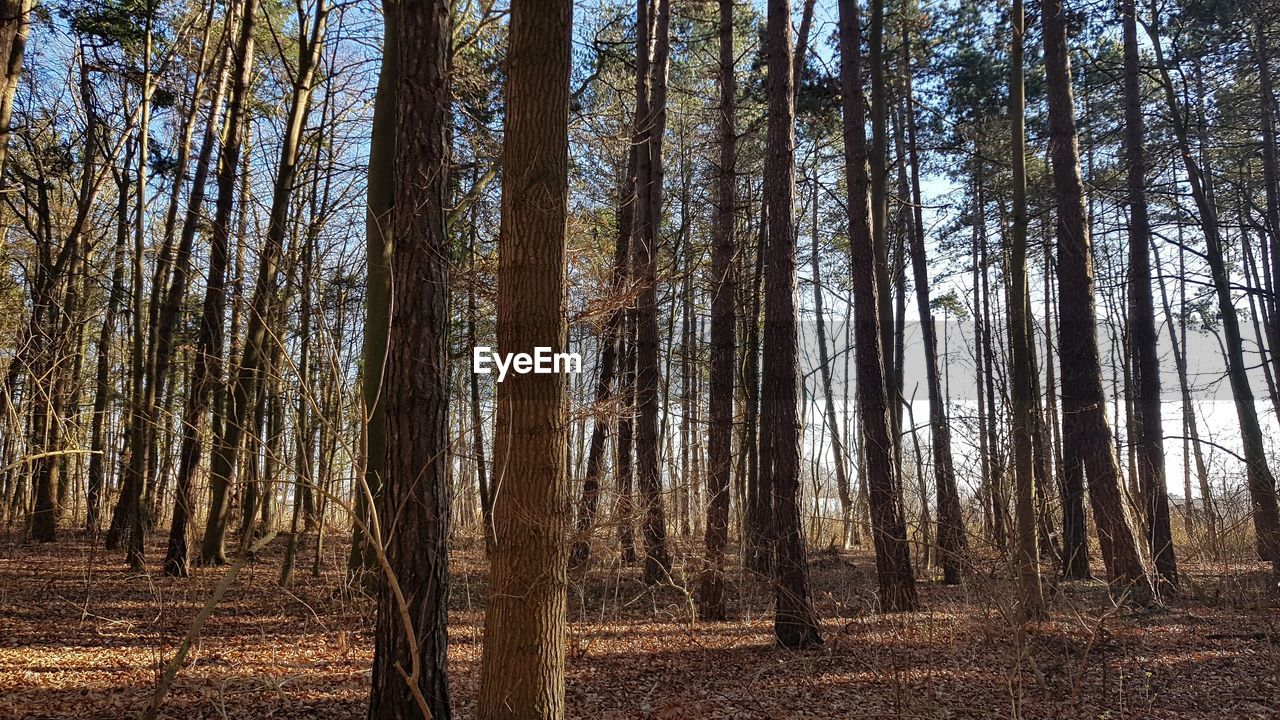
x=543 y=361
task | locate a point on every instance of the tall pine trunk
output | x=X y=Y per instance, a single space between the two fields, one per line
x=522 y=666
x=1030 y=596
x=651 y=126
x=711 y=602
x=1149 y=440
x=411 y=515
x=1086 y=431
x=889 y=533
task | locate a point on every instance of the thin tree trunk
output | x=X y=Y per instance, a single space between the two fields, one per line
x=952 y=546
x=14 y=26
x=893 y=558
x=589 y=502
x=362 y=560
x=210 y=337
x=258 y=345
x=711 y=601
x=652 y=126
x=1085 y=428
x=1261 y=481
x=1149 y=441
x=1030 y=595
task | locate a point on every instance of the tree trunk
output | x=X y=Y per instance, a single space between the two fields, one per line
x=411 y=519
x=477 y=422
x=251 y=374
x=952 y=546
x=207 y=374
x=1030 y=595
x=103 y=385
x=175 y=562
x=589 y=503
x=625 y=444
x=14 y=26
x=759 y=526
x=1149 y=440
x=829 y=405
x=522 y=666
x=362 y=561
x=1086 y=432
x=893 y=558
x=711 y=601
x=795 y=624
x=1261 y=481
x=652 y=125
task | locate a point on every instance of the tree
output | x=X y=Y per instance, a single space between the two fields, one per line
x=889 y=533
x=651 y=123
x=711 y=602
x=952 y=546
x=795 y=624
x=206 y=375
x=14 y=25
x=522 y=667
x=251 y=373
x=1027 y=562
x=1149 y=440
x=362 y=562
x=611 y=343
x=412 y=509
x=1260 y=480
x=1085 y=429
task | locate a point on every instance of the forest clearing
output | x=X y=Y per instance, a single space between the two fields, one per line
x=542 y=359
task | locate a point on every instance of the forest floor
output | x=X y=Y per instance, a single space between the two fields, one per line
x=82 y=637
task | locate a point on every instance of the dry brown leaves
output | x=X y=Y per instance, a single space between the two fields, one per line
x=83 y=638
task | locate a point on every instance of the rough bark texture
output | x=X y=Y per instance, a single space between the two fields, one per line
x=522 y=670
x=711 y=603
x=893 y=557
x=1149 y=443
x=1086 y=431
x=413 y=507
x=795 y=624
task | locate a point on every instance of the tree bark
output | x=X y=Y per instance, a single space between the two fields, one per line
x=1149 y=440
x=795 y=624
x=893 y=558
x=412 y=509
x=522 y=667
x=652 y=126
x=1086 y=431
x=711 y=601
x=362 y=560
x=14 y=26
x=1030 y=595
